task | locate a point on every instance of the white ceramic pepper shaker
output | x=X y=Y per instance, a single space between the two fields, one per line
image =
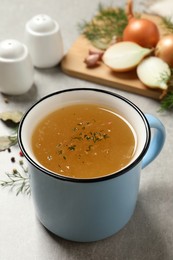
x=16 y=69
x=44 y=41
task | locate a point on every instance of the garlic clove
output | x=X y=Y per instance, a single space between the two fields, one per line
x=92 y=60
x=154 y=73
x=124 y=56
x=98 y=52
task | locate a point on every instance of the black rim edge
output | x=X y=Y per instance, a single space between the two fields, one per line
x=103 y=178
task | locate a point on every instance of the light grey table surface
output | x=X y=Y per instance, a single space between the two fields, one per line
x=149 y=234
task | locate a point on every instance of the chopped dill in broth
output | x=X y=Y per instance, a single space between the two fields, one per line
x=84 y=141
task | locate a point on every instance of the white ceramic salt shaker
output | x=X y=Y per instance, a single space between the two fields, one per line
x=44 y=41
x=16 y=69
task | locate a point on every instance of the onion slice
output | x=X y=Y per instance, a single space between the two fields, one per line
x=124 y=56
x=154 y=73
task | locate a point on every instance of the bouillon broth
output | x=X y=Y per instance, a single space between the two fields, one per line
x=84 y=141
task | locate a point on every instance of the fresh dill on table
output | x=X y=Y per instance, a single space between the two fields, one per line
x=167 y=102
x=17 y=181
x=18 y=178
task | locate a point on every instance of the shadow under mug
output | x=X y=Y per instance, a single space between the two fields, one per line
x=86 y=210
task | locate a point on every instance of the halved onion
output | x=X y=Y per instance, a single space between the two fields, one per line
x=154 y=73
x=124 y=56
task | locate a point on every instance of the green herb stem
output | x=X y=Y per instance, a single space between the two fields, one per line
x=168 y=24
x=17 y=181
x=107 y=24
x=167 y=102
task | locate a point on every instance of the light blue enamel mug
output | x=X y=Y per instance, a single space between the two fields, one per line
x=87 y=210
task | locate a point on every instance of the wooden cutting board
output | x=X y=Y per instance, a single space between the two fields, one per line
x=73 y=65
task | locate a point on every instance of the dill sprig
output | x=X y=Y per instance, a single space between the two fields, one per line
x=17 y=181
x=105 y=25
x=167 y=102
x=168 y=24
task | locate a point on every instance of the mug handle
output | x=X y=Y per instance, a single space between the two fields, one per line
x=157 y=139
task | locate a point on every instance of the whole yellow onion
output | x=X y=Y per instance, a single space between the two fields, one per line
x=164 y=49
x=140 y=30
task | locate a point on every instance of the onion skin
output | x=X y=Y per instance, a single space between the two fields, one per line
x=164 y=49
x=141 y=31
